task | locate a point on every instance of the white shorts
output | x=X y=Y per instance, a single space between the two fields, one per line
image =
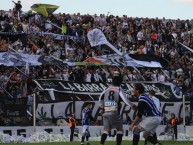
x=85 y=128
x=150 y=123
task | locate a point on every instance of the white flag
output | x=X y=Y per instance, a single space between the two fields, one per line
x=96 y=37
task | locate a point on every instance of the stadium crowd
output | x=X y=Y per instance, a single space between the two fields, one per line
x=151 y=36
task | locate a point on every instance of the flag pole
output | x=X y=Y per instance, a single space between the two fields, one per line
x=185 y=46
x=53 y=24
x=34 y=111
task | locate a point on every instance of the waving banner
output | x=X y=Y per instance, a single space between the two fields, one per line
x=96 y=37
x=56 y=36
x=20 y=59
x=14 y=36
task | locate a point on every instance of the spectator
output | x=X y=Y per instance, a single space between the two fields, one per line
x=86 y=117
x=149 y=124
x=174 y=123
x=164 y=119
x=72 y=125
x=110 y=100
x=18 y=6
x=187 y=116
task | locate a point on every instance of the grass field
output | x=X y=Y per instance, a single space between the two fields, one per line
x=106 y=143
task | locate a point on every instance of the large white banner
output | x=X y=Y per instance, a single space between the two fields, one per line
x=65 y=109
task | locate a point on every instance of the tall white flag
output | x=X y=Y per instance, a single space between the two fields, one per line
x=96 y=37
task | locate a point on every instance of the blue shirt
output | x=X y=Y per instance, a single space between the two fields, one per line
x=86 y=116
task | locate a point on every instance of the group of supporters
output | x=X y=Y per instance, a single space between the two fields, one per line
x=151 y=36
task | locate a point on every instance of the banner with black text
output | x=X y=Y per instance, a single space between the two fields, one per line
x=65 y=109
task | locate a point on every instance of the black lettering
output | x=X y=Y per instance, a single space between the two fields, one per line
x=61 y=131
x=7 y=132
x=69 y=109
x=21 y=132
x=98 y=114
x=164 y=107
x=126 y=133
x=52 y=111
x=48 y=130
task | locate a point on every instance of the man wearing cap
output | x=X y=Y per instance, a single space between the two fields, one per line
x=110 y=103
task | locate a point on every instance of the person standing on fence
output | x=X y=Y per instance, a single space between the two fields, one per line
x=72 y=125
x=86 y=117
x=110 y=103
x=18 y=6
x=148 y=125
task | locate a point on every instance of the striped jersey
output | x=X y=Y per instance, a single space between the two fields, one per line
x=147 y=107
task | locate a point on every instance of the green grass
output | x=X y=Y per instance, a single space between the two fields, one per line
x=106 y=143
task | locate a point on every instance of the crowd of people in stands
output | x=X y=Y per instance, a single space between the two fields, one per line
x=131 y=35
